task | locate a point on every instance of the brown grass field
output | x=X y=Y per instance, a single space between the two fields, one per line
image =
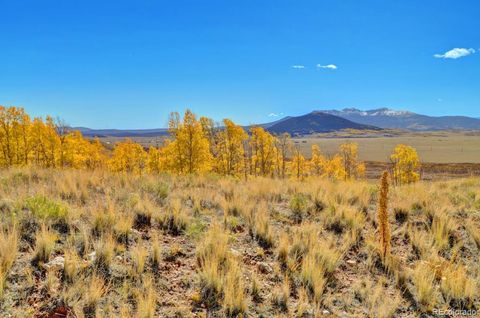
x=432 y=147
x=442 y=147
x=97 y=244
x=444 y=154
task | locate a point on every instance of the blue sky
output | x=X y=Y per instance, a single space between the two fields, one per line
x=127 y=64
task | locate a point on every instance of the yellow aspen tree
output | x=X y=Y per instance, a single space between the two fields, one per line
x=52 y=142
x=211 y=133
x=45 y=143
x=5 y=143
x=189 y=149
x=24 y=132
x=64 y=134
x=283 y=144
x=334 y=168
x=317 y=162
x=153 y=160
x=230 y=148
x=39 y=148
x=14 y=141
x=194 y=144
x=298 y=164
x=74 y=150
x=128 y=156
x=97 y=156
x=352 y=167
x=81 y=153
x=174 y=157
x=35 y=137
x=262 y=145
x=405 y=164
x=247 y=159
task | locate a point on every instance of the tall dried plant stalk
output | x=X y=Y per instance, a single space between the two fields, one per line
x=384 y=226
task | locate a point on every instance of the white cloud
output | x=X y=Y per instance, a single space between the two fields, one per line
x=455 y=53
x=275 y=114
x=298 y=67
x=329 y=66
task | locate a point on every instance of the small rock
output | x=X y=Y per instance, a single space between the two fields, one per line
x=56 y=264
x=325 y=312
x=92 y=256
x=264 y=268
x=235 y=252
x=351 y=261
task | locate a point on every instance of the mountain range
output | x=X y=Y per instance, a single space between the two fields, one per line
x=401 y=119
x=321 y=121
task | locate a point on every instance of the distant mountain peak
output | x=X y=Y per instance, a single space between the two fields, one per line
x=390 y=118
x=316 y=122
x=384 y=111
x=388 y=112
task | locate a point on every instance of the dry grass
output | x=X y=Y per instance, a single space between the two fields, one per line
x=174 y=220
x=425 y=289
x=234 y=302
x=44 y=245
x=110 y=245
x=8 y=253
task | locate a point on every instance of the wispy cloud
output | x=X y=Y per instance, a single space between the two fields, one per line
x=275 y=114
x=298 y=67
x=329 y=66
x=455 y=53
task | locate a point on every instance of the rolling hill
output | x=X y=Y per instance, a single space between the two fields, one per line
x=328 y=121
x=88 y=132
x=315 y=122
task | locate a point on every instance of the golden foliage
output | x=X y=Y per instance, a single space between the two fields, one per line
x=405 y=164
x=195 y=146
x=128 y=156
x=229 y=149
x=262 y=152
x=46 y=143
x=189 y=150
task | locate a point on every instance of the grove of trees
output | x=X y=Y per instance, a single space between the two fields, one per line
x=195 y=145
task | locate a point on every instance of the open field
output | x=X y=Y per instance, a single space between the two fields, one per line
x=444 y=154
x=97 y=244
x=432 y=147
x=428 y=171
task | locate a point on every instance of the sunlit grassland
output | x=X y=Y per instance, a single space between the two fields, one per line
x=95 y=243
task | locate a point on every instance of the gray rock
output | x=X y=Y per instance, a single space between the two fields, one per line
x=264 y=268
x=58 y=263
x=92 y=256
x=235 y=253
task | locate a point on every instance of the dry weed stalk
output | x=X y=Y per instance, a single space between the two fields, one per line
x=384 y=226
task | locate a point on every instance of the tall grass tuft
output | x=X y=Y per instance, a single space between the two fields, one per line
x=8 y=252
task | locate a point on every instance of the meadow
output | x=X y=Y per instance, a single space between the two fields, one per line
x=441 y=147
x=444 y=154
x=221 y=222
x=432 y=147
x=101 y=244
